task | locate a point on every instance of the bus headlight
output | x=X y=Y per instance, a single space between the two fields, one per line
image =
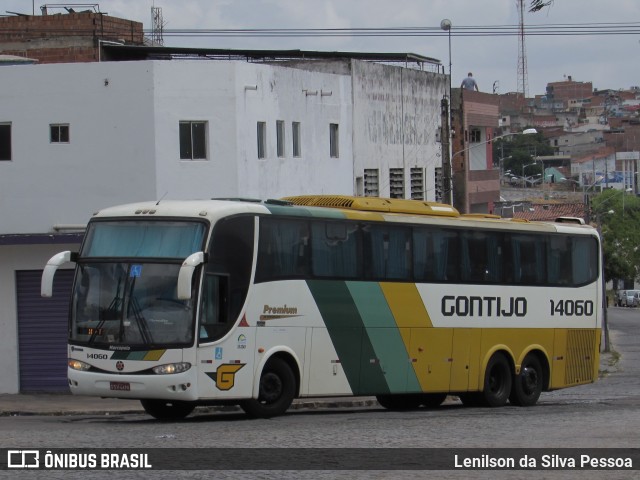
x=78 y=365
x=171 y=368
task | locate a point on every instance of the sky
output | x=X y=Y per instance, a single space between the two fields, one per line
x=609 y=61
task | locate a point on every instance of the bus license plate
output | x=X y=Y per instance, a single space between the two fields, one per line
x=122 y=386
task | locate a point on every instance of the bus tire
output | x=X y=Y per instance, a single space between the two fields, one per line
x=167 y=409
x=497 y=381
x=276 y=393
x=400 y=401
x=432 y=400
x=527 y=385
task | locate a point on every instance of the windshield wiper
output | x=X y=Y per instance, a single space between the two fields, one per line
x=134 y=307
x=110 y=313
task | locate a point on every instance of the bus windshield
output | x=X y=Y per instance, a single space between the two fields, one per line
x=125 y=292
x=132 y=304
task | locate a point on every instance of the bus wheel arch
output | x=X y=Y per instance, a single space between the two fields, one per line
x=531 y=380
x=278 y=386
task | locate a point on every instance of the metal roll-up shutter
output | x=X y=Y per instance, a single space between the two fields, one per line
x=42 y=332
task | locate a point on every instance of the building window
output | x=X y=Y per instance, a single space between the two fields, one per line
x=5 y=141
x=193 y=140
x=417 y=183
x=59 y=133
x=295 y=135
x=371 y=182
x=262 y=139
x=475 y=136
x=439 y=183
x=280 y=138
x=396 y=183
x=333 y=140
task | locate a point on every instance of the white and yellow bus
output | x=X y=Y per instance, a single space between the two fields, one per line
x=185 y=303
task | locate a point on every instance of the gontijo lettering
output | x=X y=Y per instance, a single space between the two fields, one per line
x=464 y=306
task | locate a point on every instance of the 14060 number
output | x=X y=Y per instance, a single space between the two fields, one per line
x=572 y=308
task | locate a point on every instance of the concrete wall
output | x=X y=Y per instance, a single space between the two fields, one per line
x=232 y=97
x=315 y=100
x=395 y=120
x=110 y=156
x=195 y=91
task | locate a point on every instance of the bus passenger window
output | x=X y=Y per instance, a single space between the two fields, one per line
x=283 y=249
x=335 y=250
x=388 y=252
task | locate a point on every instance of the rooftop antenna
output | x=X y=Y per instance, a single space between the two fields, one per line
x=157 y=26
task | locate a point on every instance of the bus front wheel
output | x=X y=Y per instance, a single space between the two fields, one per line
x=527 y=386
x=167 y=409
x=277 y=390
x=497 y=381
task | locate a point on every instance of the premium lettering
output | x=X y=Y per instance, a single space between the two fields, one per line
x=283 y=310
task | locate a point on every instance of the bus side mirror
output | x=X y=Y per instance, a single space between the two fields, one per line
x=186 y=274
x=46 y=285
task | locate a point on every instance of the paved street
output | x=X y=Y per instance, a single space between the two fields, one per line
x=603 y=414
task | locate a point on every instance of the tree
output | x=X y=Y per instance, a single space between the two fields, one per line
x=520 y=150
x=618 y=216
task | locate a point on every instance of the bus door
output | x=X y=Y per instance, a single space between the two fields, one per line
x=465 y=359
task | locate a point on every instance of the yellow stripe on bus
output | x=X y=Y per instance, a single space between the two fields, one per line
x=153 y=355
x=406 y=305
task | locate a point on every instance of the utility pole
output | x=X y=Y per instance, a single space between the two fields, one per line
x=446 y=151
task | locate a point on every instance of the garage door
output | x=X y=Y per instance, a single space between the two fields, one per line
x=42 y=332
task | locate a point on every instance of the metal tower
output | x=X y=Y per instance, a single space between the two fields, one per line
x=157 y=25
x=523 y=83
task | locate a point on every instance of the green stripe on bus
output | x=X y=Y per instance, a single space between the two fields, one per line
x=346 y=329
x=384 y=335
x=289 y=211
x=294 y=211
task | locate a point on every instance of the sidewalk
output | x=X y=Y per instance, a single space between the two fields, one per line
x=67 y=404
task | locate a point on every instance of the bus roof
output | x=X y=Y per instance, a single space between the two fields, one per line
x=376 y=204
x=332 y=206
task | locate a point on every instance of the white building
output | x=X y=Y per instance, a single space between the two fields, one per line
x=78 y=137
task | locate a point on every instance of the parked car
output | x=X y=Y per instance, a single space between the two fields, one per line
x=628 y=299
x=636 y=299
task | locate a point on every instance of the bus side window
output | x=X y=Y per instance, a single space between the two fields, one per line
x=214 y=319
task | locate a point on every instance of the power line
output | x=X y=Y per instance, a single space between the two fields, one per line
x=618 y=28
x=563 y=29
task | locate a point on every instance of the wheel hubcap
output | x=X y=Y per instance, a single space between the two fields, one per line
x=529 y=380
x=270 y=388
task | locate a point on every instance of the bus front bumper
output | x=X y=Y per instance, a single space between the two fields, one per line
x=180 y=386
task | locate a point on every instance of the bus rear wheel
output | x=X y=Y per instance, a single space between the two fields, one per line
x=276 y=393
x=167 y=409
x=497 y=381
x=527 y=386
